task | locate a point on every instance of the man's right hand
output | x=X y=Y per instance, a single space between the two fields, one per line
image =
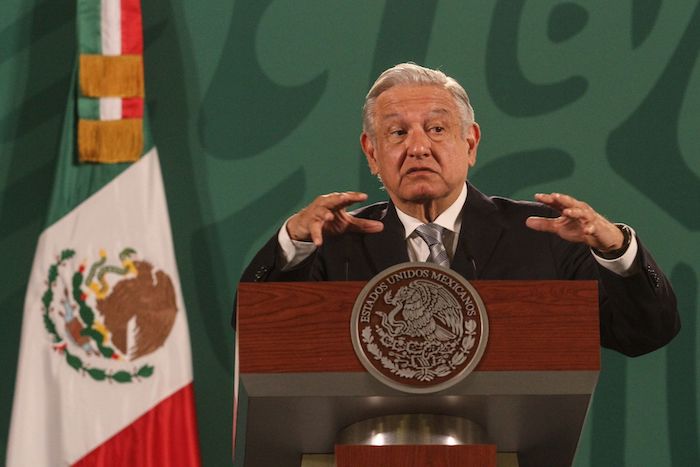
x=327 y=215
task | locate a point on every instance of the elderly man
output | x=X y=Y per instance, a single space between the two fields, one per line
x=420 y=138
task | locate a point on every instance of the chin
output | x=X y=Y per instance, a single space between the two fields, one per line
x=423 y=195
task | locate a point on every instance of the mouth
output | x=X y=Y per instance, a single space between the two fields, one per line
x=419 y=171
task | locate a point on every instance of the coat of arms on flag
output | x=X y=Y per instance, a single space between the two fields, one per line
x=103 y=316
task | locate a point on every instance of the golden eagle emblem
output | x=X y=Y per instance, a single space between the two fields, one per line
x=111 y=312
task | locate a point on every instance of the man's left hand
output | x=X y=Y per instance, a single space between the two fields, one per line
x=578 y=222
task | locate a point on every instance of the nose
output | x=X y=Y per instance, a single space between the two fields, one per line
x=417 y=144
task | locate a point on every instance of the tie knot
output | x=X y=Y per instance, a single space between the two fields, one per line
x=430 y=233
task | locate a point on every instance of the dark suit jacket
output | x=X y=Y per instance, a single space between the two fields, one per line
x=637 y=313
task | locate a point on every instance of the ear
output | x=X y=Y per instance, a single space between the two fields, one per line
x=368 y=149
x=472 y=139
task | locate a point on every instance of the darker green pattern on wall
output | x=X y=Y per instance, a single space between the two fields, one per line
x=239 y=85
x=650 y=137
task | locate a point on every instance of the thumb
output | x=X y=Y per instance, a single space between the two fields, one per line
x=365 y=225
x=541 y=224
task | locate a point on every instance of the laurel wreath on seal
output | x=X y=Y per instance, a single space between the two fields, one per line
x=422 y=374
x=87 y=315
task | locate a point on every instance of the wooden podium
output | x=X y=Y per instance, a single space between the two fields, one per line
x=530 y=391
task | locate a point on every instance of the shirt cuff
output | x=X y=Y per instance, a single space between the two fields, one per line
x=294 y=252
x=625 y=265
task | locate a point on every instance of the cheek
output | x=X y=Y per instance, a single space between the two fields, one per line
x=388 y=160
x=458 y=169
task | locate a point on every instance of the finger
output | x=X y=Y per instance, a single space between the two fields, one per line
x=558 y=201
x=365 y=225
x=341 y=200
x=579 y=214
x=316 y=232
x=566 y=200
x=547 y=198
x=339 y=224
x=357 y=224
x=543 y=224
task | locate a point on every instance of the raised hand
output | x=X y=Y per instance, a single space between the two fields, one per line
x=578 y=222
x=327 y=215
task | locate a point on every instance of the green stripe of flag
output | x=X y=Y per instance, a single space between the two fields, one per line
x=89 y=20
x=88 y=108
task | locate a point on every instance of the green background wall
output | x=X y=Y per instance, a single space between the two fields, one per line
x=255 y=110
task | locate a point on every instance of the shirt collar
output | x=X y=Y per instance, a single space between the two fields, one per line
x=450 y=219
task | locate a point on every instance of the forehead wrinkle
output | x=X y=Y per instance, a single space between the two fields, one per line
x=441 y=112
x=391 y=116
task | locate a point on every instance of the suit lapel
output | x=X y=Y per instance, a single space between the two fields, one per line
x=481 y=229
x=387 y=247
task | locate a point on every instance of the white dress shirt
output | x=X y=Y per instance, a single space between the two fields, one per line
x=294 y=251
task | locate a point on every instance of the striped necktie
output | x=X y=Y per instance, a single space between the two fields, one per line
x=432 y=235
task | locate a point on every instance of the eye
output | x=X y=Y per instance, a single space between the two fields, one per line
x=396 y=134
x=437 y=129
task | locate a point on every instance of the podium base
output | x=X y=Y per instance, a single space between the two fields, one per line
x=503 y=459
x=419 y=429
x=414 y=440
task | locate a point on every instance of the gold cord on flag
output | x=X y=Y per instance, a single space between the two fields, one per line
x=110 y=82
x=110 y=141
x=111 y=76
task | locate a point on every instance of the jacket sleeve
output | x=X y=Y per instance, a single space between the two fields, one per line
x=638 y=314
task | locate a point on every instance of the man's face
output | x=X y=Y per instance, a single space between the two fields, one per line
x=420 y=148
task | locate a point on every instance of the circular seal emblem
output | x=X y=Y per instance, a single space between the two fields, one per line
x=419 y=327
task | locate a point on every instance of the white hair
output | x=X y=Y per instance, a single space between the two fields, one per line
x=412 y=74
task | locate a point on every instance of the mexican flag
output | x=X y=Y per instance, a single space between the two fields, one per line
x=105 y=372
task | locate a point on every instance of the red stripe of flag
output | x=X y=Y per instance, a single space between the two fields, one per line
x=132 y=28
x=132 y=107
x=165 y=435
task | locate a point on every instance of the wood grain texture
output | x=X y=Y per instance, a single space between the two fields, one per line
x=305 y=326
x=474 y=455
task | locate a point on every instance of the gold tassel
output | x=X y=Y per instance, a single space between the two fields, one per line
x=110 y=142
x=111 y=76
